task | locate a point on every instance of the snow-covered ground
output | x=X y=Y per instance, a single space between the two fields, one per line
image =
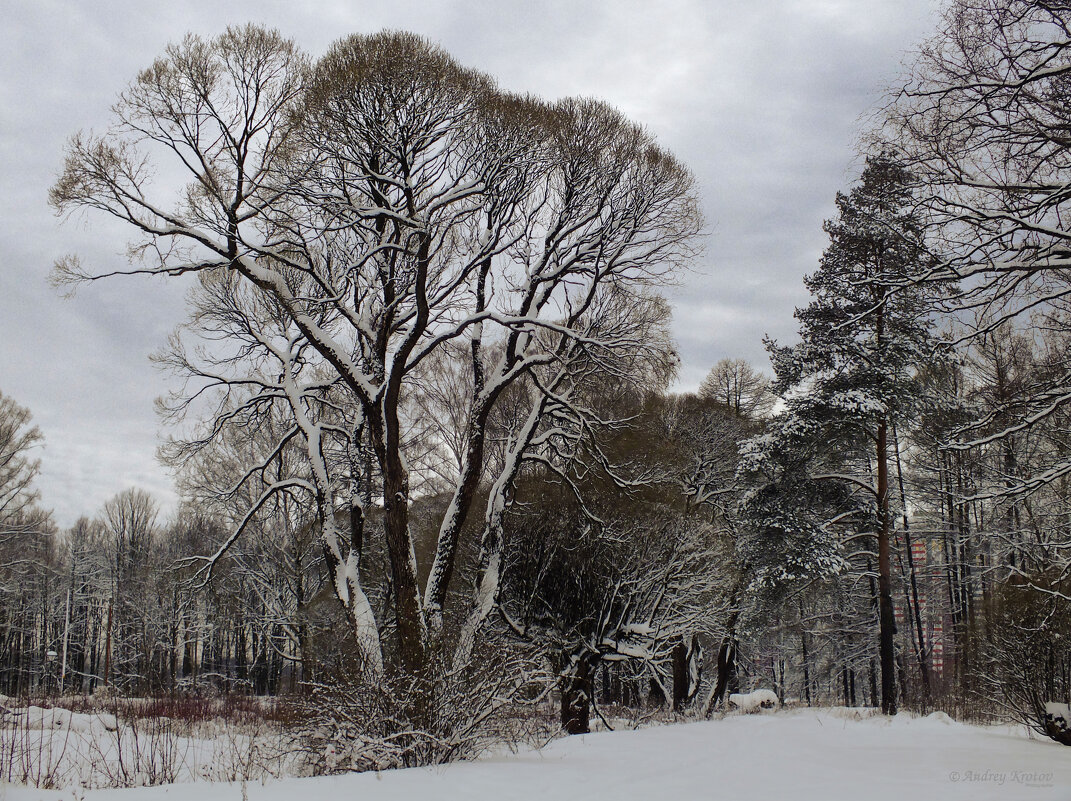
x=800 y=755
x=53 y=747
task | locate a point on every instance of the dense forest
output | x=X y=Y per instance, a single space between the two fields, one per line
x=432 y=468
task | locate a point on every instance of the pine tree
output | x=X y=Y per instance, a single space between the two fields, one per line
x=825 y=459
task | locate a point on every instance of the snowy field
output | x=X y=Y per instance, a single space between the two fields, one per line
x=801 y=755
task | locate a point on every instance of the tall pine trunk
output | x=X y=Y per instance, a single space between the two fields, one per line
x=886 y=618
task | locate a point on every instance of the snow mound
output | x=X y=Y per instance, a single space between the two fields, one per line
x=940 y=717
x=37 y=717
x=1058 y=713
x=40 y=718
x=853 y=712
x=754 y=701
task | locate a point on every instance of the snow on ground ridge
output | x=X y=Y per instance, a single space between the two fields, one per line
x=801 y=754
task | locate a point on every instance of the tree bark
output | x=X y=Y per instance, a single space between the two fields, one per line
x=921 y=651
x=108 y=647
x=886 y=618
x=726 y=671
x=576 y=697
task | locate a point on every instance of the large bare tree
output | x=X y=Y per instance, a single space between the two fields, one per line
x=356 y=218
x=982 y=123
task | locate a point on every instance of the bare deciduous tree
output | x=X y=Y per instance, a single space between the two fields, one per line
x=17 y=467
x=981 y=122
x=356 y=219
x=739 y=387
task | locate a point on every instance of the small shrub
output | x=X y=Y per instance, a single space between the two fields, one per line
x=355 y=723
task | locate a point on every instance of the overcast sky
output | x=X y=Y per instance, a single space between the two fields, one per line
x=762 y=100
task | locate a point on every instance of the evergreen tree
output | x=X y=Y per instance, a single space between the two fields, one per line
x=825 y=459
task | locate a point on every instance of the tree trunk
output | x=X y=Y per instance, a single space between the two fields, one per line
x=576 y=698
x=108 y=647
x=726 y=671
x=804 y=660
x=886 y=618
x=442 y=567
x=412 y=628
x=921 y=651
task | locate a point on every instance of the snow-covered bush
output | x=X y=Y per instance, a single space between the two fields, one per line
x=1058 y=722
x=352 y=722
